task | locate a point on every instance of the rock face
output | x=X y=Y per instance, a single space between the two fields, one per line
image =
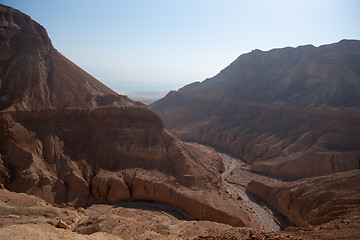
x=28 y=217
x=315 y=200
x=52 y=81
x=286 y=111
x=67 y=138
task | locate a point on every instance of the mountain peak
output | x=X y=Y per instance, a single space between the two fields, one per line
x=18 y=30
x=35 y=76
x=301 y=76
x=277 y=105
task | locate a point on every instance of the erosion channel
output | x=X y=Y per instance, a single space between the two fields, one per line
x=264 y=214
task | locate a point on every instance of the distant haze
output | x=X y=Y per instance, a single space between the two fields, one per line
x=146 y=97
x=163 y=45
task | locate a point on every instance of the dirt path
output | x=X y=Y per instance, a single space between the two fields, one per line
x=265 y=216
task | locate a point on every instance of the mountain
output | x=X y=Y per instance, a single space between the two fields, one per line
x=36 y=76
x=67 y=138
x=291 y=112
x=78 y=160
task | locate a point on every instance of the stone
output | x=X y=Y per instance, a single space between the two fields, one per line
x=313 y=201
x=72 y=141
x=62 y=224
x=269 y=107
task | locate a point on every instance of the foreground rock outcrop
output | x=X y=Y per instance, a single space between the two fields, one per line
x=70 y=140
x=28 y=217
x=313 y=201
x=292 y=112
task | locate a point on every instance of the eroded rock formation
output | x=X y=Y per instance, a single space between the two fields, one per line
x=288 y=110
x=68 y=139
x=313 y=201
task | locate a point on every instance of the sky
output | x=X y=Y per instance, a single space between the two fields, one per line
x=162 y=45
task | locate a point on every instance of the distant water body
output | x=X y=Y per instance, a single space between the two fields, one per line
x=146 y=97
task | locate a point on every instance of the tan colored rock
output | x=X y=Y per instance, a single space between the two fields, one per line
x=134 y=221
x=313 y=201
x=109 y=187
x=62 y=224
x=202 y=205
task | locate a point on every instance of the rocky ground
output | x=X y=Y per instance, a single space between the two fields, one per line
x=24 y=216
x=71 y=150
x=70 y=140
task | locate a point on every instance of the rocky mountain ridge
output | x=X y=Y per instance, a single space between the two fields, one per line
x=286 y=111
x=83 y=149
x=70 y=140
x=304 y=76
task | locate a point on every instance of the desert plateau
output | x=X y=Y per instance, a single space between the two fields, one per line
x=268 y=148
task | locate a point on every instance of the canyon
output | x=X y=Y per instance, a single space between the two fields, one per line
x=67 y=138
x=291 y=113
x=79 y=161
x=291 y=118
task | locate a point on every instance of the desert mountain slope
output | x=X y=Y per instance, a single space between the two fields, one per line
x=293 y=112
x=304 y=76
x=68 y=139
x=52 y=81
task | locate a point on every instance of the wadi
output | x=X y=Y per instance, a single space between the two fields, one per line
x=266 y=149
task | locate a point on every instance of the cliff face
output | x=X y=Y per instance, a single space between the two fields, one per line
x=68 y=139
x=313 y=201
x=296 y=105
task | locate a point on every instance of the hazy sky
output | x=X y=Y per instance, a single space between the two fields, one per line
x=165 y=44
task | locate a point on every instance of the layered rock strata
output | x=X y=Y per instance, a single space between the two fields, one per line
x=287 y=111
x=68 y=139
x=313 y=201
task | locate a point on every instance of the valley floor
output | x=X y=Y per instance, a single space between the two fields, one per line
x=265 y=215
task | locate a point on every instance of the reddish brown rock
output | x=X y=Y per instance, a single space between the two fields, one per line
x=49 y=82
x=110 y=187
x=70 y=140
x=313 y=201
x=309 y=164
x=200 y=204
x=277 y=105
x=28 y=217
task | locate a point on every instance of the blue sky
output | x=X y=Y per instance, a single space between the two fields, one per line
x=165 y=44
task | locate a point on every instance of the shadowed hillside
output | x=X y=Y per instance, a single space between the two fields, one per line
x=292 y=112
x=68 y=139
